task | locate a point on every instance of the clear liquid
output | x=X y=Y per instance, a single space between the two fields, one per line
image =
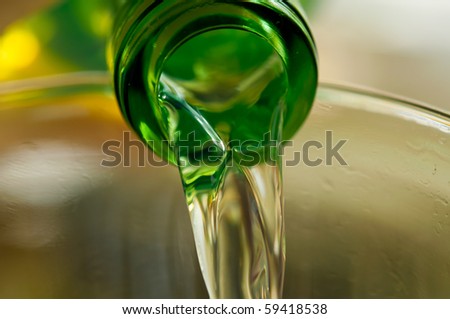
x=239 y=233
x=222 y=112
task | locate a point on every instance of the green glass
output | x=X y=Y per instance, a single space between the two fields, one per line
x=146 y=45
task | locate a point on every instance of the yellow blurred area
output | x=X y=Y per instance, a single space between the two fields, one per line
x=101 y=22
x=24 y=53
x=19 y=48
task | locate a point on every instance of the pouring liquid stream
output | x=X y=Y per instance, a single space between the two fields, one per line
x=221 y=110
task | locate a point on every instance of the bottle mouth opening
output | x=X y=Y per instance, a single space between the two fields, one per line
x=221 y=68
x=227 y=79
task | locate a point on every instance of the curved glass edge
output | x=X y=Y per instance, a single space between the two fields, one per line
x=376 y=102
x=13 y=93
x=385 y=96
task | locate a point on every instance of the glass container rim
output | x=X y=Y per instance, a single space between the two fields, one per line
x=14 y=90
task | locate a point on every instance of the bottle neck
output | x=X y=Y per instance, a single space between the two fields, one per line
x=148 y=32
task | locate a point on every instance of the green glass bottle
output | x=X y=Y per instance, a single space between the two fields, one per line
x=211 y=86
x=213 y=46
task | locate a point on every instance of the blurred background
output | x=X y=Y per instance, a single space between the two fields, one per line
x=398 y=46
x=71 y=228
x=401 y=46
